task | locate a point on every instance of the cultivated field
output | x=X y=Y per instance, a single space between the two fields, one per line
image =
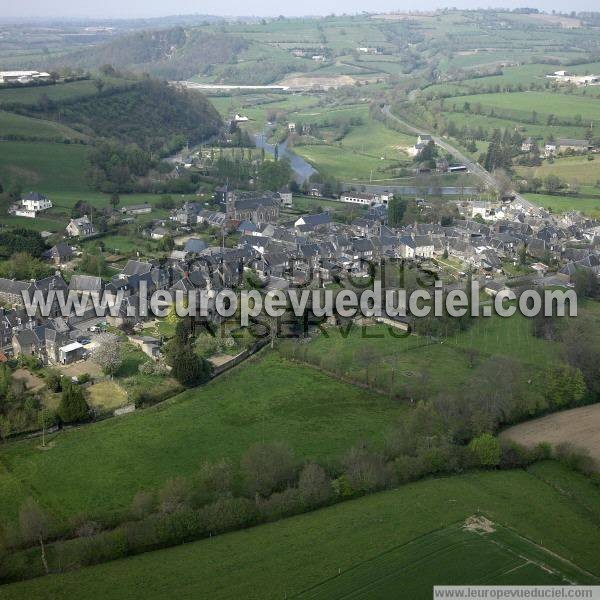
x=496 y=555
x=578 y=426
x=329 y=553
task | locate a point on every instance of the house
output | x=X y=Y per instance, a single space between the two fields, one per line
x=195 y=246
x=357 y=198
x=416 y=149
x=70 y=353
x=316 y=190
x=492 y=288
x=85 y=283
x=527 y=144
x=158 y=233
x=31 y=204
x=416 y=247
x=212 y=218
x=137 y=209
x=23 y=76
x=313 y=221
x=566 y=144
x=10 y=290
x=550 y=148
x=574 y=145
x=221 y=194
x=148 y=345
x=286 y=196
x=187 y=214
x=42 y=341
x=291 y=127
x=136 y=267
x=60 y=254
x=81 y=227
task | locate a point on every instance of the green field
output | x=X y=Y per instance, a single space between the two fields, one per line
x=522 y=104
x=44 y=166
x=266 y=398
x=500 y=557
x=559 y=204
x=571 y=169
x=433 y=366
x=365 y=149
x=374 y=545
x=57 y=92
x=488 y=124
x=12 y=124
x=366 y=152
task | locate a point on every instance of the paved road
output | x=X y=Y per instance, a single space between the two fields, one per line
x=473 y=167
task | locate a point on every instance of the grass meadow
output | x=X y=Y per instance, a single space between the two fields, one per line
x=409 y=364
x=99 y=468
x=571 y=169
x=560 y=204
x=522 y=104
x=545 y=516
x=13 y=124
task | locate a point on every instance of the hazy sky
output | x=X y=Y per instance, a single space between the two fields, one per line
x=156 y=8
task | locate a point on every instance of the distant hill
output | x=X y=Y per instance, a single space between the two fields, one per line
x=148 y=112
x=174 y=53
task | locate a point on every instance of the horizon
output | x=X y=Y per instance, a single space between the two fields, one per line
x=34 y=10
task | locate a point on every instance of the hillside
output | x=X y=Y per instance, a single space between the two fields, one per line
x=148 y=113
x=173 y=53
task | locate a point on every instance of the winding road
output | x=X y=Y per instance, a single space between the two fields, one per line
x=471 y=165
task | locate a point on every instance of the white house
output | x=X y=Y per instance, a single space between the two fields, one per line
x=31 y=204
x=23 y=76
x=416 y=247
x=357 y=198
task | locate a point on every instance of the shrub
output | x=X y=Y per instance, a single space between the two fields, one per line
x=228 y=513
x=214 y=479
x=267 y=468
x=174 y=495
x=53 y=380
x=189 y=368
x=486 y=449
x=280 y=504
x=314 y=485
x=143 y=504
x=513 y=455
x=366 y=470
x=146 y=368
x=409 y=468
x=84 y=378
x=575 y=458
x=73 y=407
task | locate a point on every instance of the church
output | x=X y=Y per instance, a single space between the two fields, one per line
x=258 y=209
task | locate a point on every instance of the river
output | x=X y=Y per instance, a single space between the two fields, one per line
x=302 y=169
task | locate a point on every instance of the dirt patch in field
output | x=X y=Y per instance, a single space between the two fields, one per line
x=81 y=367
x=568 y=22
x=307 y=81
x=579 y=426
x=479 y=524
x=30 y=381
